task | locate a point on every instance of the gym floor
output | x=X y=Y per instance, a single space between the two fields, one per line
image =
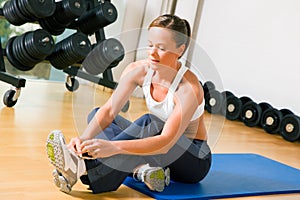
x=44 y=106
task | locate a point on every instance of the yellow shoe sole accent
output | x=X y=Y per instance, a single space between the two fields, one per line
x=158 y=175
x=50 y=152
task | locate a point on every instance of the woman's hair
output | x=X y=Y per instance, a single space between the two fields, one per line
x=180 y=27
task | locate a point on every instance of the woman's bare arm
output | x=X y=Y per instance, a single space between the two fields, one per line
x=173 y=128
x=130 y=79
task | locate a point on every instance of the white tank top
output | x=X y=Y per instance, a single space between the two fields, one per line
x=163 y=109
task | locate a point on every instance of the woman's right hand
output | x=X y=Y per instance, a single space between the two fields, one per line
x=75 y=144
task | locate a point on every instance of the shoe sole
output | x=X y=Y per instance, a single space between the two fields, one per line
x=55 y=151
x=156 y=179
x=54 y=144
x=56 y=175
x=167 y=176
x=61 y=182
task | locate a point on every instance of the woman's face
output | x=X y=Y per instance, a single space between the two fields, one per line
x=162 y=48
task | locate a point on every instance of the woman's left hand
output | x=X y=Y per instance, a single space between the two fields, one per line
x=98 y=148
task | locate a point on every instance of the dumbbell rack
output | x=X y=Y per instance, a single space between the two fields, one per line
x=4 y=76
x=11 y=96
x=74 y=71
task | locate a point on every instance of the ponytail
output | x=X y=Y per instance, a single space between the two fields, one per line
x=188 y=34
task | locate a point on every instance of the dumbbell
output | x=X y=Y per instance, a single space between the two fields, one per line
x=18 y=12
x=66 y=11
x=244 y=100
x=232 y=106
x=271 y=119
x=264 y=106
x=25 y=51
x=251 y=111
x=207 y=86
x=290 y=127
x=70 y=50
x=106 y=54
x=99 y=17
x=214 y=101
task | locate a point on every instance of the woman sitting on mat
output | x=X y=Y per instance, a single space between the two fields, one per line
x=169 y=143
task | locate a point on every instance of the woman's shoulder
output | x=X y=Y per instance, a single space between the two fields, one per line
x=136 y=71
x=138 y=66
x=191 y=81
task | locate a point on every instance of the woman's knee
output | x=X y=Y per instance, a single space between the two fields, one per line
x=92 y=114
x=146 y=119
x=143 y=120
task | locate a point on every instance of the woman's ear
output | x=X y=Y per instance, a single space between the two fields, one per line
x=181 y=50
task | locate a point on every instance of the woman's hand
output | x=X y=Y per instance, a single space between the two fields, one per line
x=98 y=148
x=75 y=145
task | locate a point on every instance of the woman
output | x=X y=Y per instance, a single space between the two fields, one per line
x=170 y=142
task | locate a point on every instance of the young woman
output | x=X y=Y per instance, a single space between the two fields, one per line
x=168 y=143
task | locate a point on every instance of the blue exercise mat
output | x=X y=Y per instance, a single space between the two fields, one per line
x=232 y=175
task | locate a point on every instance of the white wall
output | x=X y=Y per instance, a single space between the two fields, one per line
x=130 y=19
x=249 y=47
x=153 y=10
x=254 y=45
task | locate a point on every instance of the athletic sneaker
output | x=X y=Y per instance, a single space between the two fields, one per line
x=69 y=167
x=155 y=178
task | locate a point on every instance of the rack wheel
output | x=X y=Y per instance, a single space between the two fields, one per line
x=72 y=84
x=10 y=97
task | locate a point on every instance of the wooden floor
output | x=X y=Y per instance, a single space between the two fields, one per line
x=25 y=172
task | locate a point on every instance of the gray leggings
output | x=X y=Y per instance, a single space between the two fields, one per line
x=189 y=160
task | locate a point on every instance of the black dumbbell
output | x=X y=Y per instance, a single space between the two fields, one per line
x=214 y=102
x=271 y=119
x=52 y=26
x=25 y=51
x=13 y=14
x=11 y=52
x=208 y=86
x=290 y=127
x=106 y=54
x=39 y=8
x=99 y=17
x=70 y=51
x=264 y=106
x=244 y=100
x=66 y=11
x=251 y=112
x=18 y=12
x=232 y=106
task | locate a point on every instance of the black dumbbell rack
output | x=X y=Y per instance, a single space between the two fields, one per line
x=107 y=79
x=72 y=71
x=4 y=76
x=11 y=96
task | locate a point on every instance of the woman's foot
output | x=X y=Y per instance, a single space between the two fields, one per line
x=69 y=167
x=156 y=178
